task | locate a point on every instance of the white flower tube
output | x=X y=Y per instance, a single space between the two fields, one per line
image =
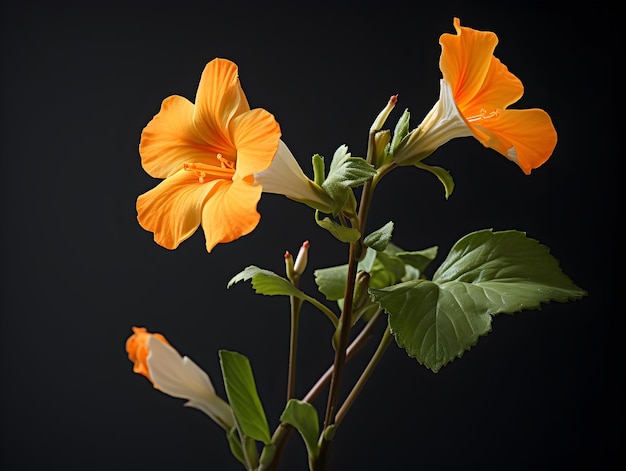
x=442 y=124
x=180 y=377
x=285 y=177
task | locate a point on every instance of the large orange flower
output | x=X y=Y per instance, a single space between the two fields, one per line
x=207 y=154
x=475 y=92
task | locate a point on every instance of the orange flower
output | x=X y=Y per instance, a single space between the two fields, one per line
x=175 y=375
x=475 y=92
x=207 y=154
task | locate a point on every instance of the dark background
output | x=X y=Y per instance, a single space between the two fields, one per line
x=79 y=81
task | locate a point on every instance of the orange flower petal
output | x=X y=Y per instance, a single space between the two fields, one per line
x=256 y=135
x=137 y=349
x=465 y=60
x=170 y=139
x=499 y=89
x=219 y=99
x=231 y=211
x=172 y=209
x=529 y=132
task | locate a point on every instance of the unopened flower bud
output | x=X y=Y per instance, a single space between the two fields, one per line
x=381 y=141
x=302 y=258
x=289 y=265
x=384 y=114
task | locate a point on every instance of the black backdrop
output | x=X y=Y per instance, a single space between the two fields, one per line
x=80 y=80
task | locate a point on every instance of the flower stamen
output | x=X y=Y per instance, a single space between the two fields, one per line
x=484 y=115
x=225 y=170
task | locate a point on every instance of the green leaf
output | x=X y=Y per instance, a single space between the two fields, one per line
x=379 y=239
x=331 y=281
x=303 y=417
x=387 y=270
x=243 y=397
x=419 y=259
x=485 y=273
x=443 y=175
x=346 y=172
x=267 y=283
x=344 y=234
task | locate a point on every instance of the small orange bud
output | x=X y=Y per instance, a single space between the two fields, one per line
x=137 y=349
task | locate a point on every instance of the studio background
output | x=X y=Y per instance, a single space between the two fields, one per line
x=543 y=390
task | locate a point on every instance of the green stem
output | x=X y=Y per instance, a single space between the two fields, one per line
x=296 y=304
x=367 y=372
x=279 y=438
x=345 y=321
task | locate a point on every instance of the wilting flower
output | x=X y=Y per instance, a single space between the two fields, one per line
x=207 y=153
x=177 y=376
x=475 y=92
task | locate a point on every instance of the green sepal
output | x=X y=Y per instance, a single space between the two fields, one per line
x=346 y=172
x=485 y=273
x=319 y=170
x=342 y=233
x=267 y=282
x=443 y=175
x=400 y=132
x=303 y=417
x=235 y=444
x=379 y=239
x=243 y=397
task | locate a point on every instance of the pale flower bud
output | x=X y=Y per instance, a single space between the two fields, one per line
x=302 y=258
x=384 y=114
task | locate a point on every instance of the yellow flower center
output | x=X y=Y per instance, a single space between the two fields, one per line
x=484 y=115
x=226 y=170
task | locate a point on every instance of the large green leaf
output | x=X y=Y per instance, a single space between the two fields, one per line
x=485 y=273
x=243 y=397
x=303 y=417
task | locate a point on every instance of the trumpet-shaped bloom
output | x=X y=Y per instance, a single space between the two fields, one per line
x=475 y=92
x=175 y=375
x=207 y=153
